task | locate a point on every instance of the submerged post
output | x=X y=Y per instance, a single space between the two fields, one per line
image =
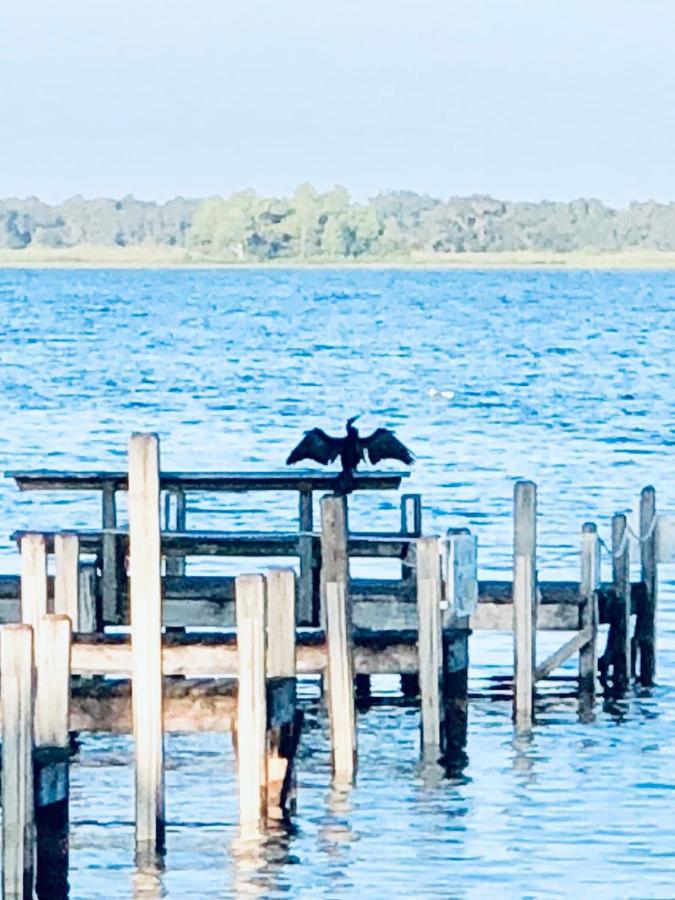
x=33 y=579
x=16 y=685
x=646 y=623
x=622 y=604
x=524 y=600
x=430 y=644
x=145 y=589
x=66 y=577
x=251 y=724
x=588 y=617
x=283 y=720
x=52 y=752
x=337 y=605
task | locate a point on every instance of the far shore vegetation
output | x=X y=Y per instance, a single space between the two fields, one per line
x=312 y=228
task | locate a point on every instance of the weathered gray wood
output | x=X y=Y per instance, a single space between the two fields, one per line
x=461 y=574
x=87 y=610
x=298 y=480
x=146 y=626
x=307 y=595
x=52 y=701
x=455 y=697
x=194 y=705
x=588 y=612
x=110 y=543
x=175 y=520
x=200 y=657
x=621 y=583
x=411 y=515
x=338 y=616
x=430 y=643
x=645 y=626
x=33 y=579
x=499 y=617
x=524 y=600
x=16 y=680
x=66 y=577
x=569 y=648
x=282 y=738
x=251 y=729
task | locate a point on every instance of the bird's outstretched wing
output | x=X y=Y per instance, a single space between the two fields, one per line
x=316 y=445
x=383 y=444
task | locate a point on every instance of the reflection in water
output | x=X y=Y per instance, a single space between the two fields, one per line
x=258 y=860
x=147 y=884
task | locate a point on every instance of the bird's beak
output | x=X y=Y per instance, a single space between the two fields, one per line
x=353 y=419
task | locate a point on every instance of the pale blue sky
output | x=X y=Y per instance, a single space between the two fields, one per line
x=519 y=98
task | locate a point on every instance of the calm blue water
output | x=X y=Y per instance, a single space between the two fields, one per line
x=562 y=377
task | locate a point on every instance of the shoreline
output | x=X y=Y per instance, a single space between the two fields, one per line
x=162 y=258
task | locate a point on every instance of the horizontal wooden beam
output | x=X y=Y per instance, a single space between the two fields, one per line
x=216 y=657
x=226 y=482
x=238 y=543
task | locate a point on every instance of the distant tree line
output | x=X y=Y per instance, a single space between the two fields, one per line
x=314 y=225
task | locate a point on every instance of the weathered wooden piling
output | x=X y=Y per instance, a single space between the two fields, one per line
x=251 y=723
x=283 y=719
x=621 y=649
x=430 y=645
x=336 y=602
x=460 y=599
x=645 y=626
x=18 y=831
x=307 y=608
x=51 y=757
x=88 y=614
x=524 y=600
x=175 y=519
x=146 y=644
x=33 y=579
x=588 y=617
x=66 y=577
x=110 y=582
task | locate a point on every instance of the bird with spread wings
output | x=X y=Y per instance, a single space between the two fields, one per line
x=352 y=449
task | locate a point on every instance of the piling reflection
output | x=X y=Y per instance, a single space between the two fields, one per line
x=147 y=883
x=258 y=859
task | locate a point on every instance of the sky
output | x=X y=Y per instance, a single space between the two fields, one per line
x=521 y=99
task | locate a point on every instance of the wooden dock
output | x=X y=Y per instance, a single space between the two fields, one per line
x=123 y=605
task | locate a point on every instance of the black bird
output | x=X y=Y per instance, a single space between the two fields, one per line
x=352 y=450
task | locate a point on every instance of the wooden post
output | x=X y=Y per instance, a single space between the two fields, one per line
x=430 y=645
x=251 y=726
x=622 y=604
x=588 y=618
x=461 y=596
x=66 y=577
x=307 y=596
x=145 y=588
x=175 y=520
x=411 y=514
x=33 y=579
x=52 y=698
x=88 y=617
x=524 y=600
x=109 y=562
x=645 y=626
x=337 y=606
x=16 y=681
x=283 y=720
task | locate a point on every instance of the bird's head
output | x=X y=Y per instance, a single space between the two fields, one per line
x=350 y=422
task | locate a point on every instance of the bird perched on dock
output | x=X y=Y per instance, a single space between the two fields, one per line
x=352 y=450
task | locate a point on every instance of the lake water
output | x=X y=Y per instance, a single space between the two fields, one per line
x=562 y=377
